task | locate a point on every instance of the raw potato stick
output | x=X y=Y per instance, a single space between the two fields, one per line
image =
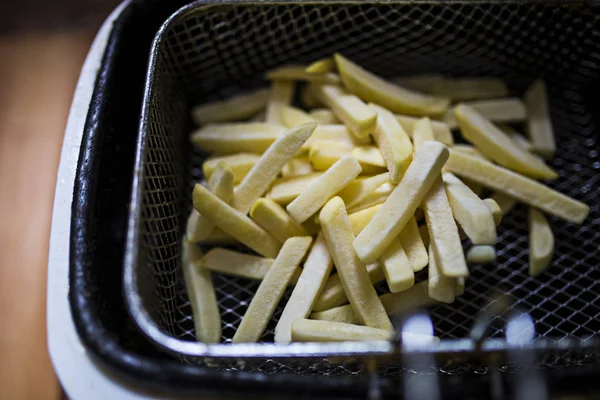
x=297 y=166
x=323 y=116
x=481 y=254
x=248 y=137
x=221 y=184
x=273 y=218
x=441 y=288
x=504 y=201
x=234 y=223
x=361 y=218
x=379 y=196
x=420 y=82
x=323 y=154
x=464 y=89
x=299 y=73
x=516 y=137
x=333 y=293
x=517 y=186
x=539 y=125
x=318 y=192
x=218 y=238
x=401 y=204
x=469 y=150
x=233 y=109
x=372 y=88
x=497 y=111
x=495 y=209
x=307 y=330
x=292 y=116
x=441 y=131
x=280 y=95
x=422 y=132
x=264 y=172
x=496 y=145
x=412 y=242
x=314 y=276
x=472 y=214
x=443 y=233
x=360 y=188
x=321 y=66
x=337 y=133
x=353 y=274
x=396 y=267
x=239 y=163
x=201 y=293
x=369 y=155
x=271 y=290
x=284 y=190
x=393 y=142
x=541 y=242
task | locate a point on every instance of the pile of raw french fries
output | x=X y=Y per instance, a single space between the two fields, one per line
x=348 y=182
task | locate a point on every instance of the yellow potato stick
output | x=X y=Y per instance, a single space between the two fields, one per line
x=411 y=240
x=308 y=330
x=273 y=218
x=360 y=219
x=495 y=209
x=264 y=172
x=471 y=213
x=271 y=290
x=517 y=186
x=441 y=131
x=541 y=242
x=422 y=132
x=333 y=293
x=221 y=184
x=321 y=66
x=201 y=292
x=338 y=134
x=324 y=116
x=284 y=190
x=360 y=188
x=443 y=232
x=477 y=188
x=539 y=125
x=396 y=267
x=292 y=116
x=465 y=89
x=497 y=111
x=325 y=187
x=393 y=142
x=504 y=201
x=379 y=196
x=234 y=109
x=234 y=222
x=299 y=73
x=280 y=95
x=314 y=276
x=247 y=137
x=324 y=153
x=481 y=254
x=372 y=88
x=401 y=204
x=353 y=273
x=370 y=155
x=349 y=109
x=218 y=238
x=394 y=303
x=299 y=165
x=497 y=146
x=441 y=288
x=516 y=137
x=469 y=150
x=239 y=163
x=421 y=82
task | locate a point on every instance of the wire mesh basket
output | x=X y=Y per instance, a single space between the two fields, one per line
x=210 y=51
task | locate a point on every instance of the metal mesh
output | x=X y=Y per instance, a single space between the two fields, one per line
x=213 y=52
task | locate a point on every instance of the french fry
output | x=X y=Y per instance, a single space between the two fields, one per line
x=324 y=116
x=284 y=190
x=481 y=254
x=349 y=109
x=422 y=132
x=307 y=330
x=333 y=293
x=271 y=290
x=496 y=145
x=218 y=238
x=465 y=89
x=292 y=116
x=401 y=204
x=495 y=209
x=299 y=73
x=234 y=263
x=441 y=288
x=372 y=88
x=394 y=144
x=396 y=267
x=275 y=220
x=394 y=303
x=441 y=131
x=539 y=125
x=353 y=273
x=201 y=292
x=369 y=155
x=234 y=222
x=247 y=137
x=338 y=134
x=233 y=109
x=297 y=166
x=326 y=186
x=472 y=214
x=541 y=242
x=264 y=172
x=517 y=186
x=379 y=196
x=419 y=83
x=504 y=201
x=360 y=219
x=516 y=137
x=239 y=163
x=443 y=232
x=497 y=111
x=360 y=188
x=221 y=184
x=280 y=95
x=411 y=240
x=469 y=150
x=323 y=154
x=321 y=66
x=459 y=287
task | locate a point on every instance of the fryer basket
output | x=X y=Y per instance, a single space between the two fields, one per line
x=209 y=51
